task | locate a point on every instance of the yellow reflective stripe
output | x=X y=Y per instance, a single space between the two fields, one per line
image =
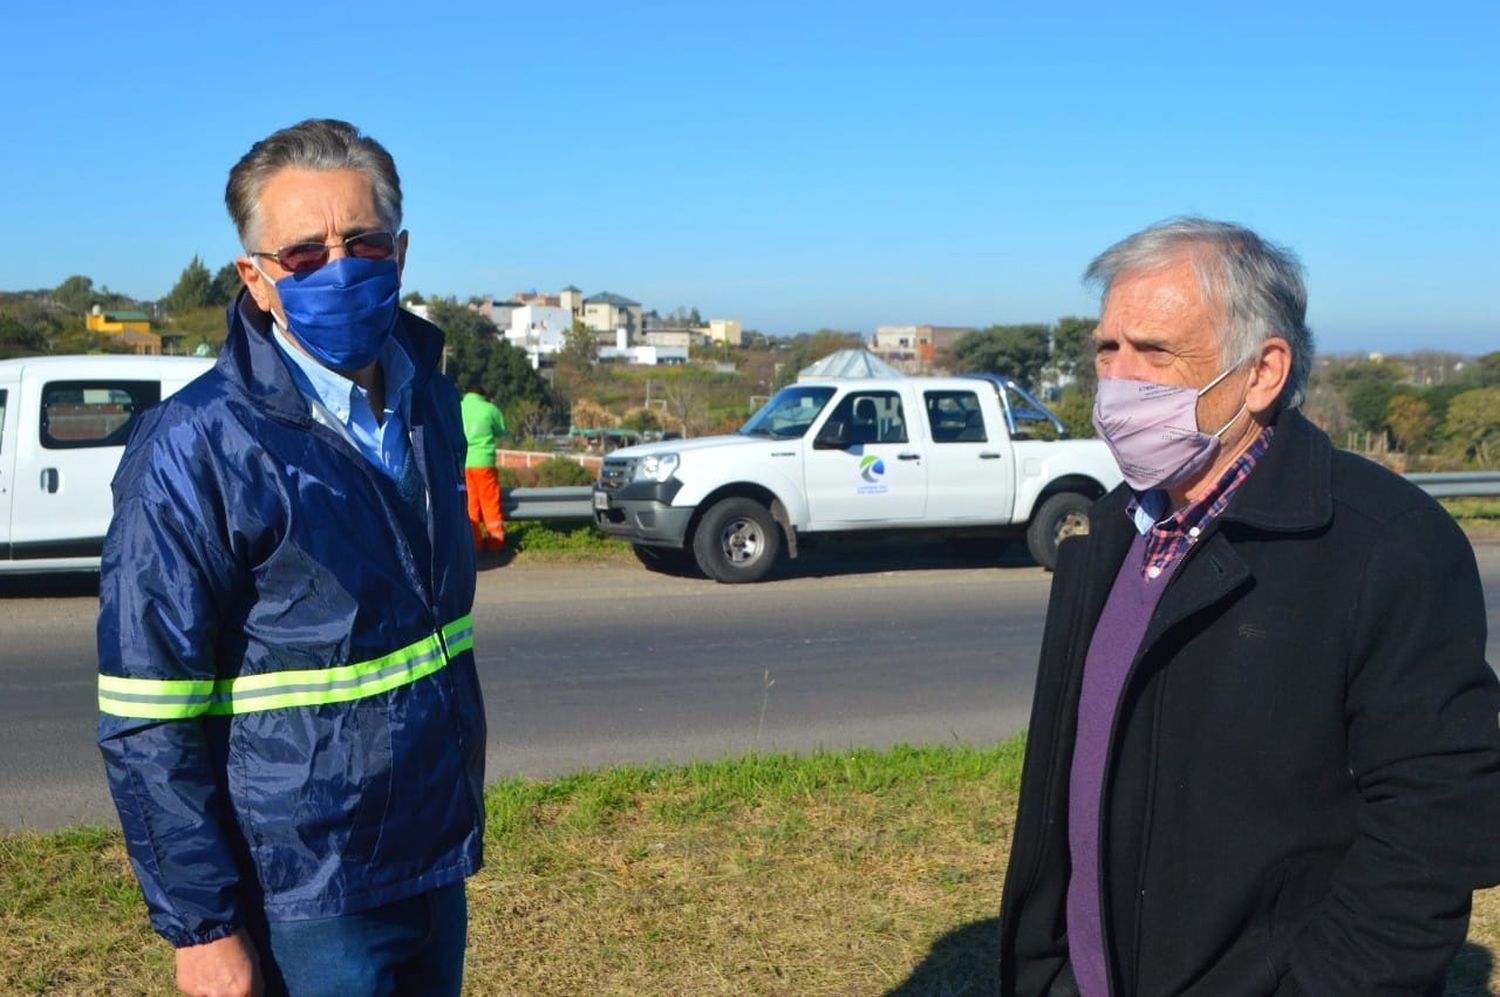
x=181 y=699
x=155 y=687
x=155 y=699
x=459 y=635
x=152 y=711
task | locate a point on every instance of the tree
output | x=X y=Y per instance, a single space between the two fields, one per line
x=1016 y=351
x=1473 y=426
x=194 y=289
x=527 y=418
x=227 y=284
x=1073 y=352
x=687 y=405
x=76 y=293
x=1411 y=422
x=589 y=414
x=580 y=347
x=476 y=356
x=573 y=375
x=809 y=347
x=1487 y=369
x=641 y=420
x=1076 y=410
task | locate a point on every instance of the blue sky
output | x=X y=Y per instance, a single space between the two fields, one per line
x=792 y=165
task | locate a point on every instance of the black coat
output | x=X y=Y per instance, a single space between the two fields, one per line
x=1303 y=781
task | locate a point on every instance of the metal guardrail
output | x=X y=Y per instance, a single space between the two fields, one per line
x=577 y=502
x=1457 y=484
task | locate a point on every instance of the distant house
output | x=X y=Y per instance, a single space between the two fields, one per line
x=726 y=331
x=895 y=342
x=497 y=312
x=672 y=337
x=919 y=344
x=606 y=312
x=131 y=327
x=540 y=330
x=648 y=356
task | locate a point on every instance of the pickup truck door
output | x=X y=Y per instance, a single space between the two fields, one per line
x=971 y=470
x=73 y=432
x=7 y=463
x=863 y=464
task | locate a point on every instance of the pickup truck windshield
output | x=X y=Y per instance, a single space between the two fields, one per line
x=789 y=413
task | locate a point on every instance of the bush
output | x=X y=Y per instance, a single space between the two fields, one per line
x=516 y=477
x=559 y=472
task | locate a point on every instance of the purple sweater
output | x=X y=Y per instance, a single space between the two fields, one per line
x=1117 y=638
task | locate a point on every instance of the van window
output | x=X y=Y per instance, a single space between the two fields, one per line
x=79 y=414
x=2 y=416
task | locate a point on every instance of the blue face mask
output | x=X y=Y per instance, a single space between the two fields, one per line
x=343 y=312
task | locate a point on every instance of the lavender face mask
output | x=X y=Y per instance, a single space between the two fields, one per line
x=1152 y=429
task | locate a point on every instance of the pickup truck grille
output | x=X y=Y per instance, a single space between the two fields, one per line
x=616 y=473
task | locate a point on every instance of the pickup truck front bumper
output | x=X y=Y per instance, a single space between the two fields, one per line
x=642 y=513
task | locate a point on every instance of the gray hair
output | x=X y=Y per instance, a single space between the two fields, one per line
x=1257 y=284
x=314 y=144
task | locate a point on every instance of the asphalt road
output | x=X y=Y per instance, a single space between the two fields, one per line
x=591 y=664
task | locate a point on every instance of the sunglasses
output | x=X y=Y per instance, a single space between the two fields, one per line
x=305 y=257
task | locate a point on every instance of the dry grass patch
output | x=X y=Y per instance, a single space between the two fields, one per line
x=848 y=873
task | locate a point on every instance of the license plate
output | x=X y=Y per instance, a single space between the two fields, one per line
x=601 y=500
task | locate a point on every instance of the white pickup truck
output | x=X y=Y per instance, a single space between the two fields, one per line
x=63 y=426
x=972 y=454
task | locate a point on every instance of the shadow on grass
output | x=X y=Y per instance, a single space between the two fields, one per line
x=1469 y=976
x=964 y=961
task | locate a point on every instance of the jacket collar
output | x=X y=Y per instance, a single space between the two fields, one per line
x=251 y=360
x=1291 y=488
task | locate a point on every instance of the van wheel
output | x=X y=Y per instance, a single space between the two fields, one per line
x=666 y=560
x=736 y=541
x=1064 y=515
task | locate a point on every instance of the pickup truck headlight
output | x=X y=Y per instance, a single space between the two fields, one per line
x=658 y=467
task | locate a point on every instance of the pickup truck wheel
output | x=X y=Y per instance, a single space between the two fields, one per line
x=666 y=560
x=736 y=541
x=1064 y=515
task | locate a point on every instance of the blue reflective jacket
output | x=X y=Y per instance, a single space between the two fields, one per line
x=289 y=711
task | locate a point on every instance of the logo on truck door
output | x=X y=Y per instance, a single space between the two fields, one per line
x=872 y=474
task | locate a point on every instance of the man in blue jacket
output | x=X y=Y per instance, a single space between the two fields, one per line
x=289 y=711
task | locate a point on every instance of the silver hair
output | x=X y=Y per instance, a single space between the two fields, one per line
x=1256 y=283
x=314 y=144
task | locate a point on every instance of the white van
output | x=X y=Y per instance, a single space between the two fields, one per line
x=63 y=426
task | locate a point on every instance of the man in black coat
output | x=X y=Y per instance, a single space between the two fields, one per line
x=1264 y=756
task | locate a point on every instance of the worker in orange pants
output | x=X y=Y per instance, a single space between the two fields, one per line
x=483 y=423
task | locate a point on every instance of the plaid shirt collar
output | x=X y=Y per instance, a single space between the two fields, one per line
x=1169 y=537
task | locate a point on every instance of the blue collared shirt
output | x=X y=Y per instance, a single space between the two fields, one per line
x=382 y=443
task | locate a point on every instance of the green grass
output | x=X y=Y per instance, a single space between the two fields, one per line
x=539 y=541
x=855 y=872
x=1479 y=516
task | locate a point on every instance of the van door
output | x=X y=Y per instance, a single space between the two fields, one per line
x=75 y=435
x=972 y=473
x=7 y=463
x=863 y=465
